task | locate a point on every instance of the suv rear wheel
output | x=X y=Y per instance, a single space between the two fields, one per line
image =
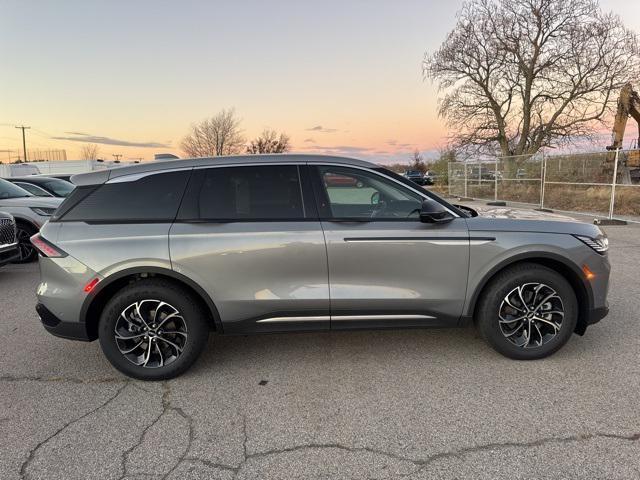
x=153 y=330
x=527 y=312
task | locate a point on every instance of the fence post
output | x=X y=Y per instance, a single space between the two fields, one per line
x=543 y=177
x=495 y=181
x=465 y=180
x=613 y=185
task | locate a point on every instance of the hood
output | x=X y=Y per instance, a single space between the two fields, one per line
x=46 y=202
x=521 y=220
x=522 y=214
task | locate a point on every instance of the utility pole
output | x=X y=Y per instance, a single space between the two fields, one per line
x=24 y=143
x=117 y=156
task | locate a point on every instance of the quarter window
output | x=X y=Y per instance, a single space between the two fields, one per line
x=154 y=198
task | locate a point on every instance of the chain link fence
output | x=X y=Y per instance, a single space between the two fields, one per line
x=601 y=183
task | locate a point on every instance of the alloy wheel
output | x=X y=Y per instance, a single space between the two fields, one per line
x=531 y=315
x=25 y=248
x=151 y=333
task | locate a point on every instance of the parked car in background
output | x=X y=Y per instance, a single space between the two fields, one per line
x=415 y=176
x=44 y=186
x=8 y=242
x=149 y=259
x=30 y=213
x=61 y=176
x=17 y=170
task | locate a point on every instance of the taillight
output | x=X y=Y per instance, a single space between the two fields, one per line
x=46 y=248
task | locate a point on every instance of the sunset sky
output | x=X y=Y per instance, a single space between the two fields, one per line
x=338 y=76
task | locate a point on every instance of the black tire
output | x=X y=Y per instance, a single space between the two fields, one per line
x=28 y=253
x=489 y=311
x=194 y=321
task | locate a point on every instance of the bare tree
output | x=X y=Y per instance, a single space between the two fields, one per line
x=519 y=75
x=89 y=151
x=417 y=162
x=215 y=136
x=269 y=142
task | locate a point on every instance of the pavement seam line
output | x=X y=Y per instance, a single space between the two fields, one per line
x=27 y=378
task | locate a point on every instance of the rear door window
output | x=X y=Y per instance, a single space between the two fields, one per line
x=34 y=189
x=251 y=193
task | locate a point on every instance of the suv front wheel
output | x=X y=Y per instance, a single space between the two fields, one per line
x=527 y=312
x=153 y=330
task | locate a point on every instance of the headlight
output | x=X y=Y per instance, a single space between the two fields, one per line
x=600 y=244
x=43 y=211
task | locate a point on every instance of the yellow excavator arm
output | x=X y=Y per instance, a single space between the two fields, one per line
x=628 y=106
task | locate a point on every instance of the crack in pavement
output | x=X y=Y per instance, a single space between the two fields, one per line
x=534 y=443
x=166 y=407
x=191 y=437
x=33 y=451
x=244 y=434
x=422 y=463
x=208 y=463
x=125 y=455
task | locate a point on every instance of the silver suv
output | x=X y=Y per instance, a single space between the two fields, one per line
x=30 y=213
x=150 y=258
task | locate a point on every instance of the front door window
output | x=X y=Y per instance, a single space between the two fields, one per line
x=349 y=193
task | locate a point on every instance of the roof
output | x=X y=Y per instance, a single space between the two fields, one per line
x=101 y=176
x=38 y=179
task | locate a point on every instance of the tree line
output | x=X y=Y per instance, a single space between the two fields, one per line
x=222 y=135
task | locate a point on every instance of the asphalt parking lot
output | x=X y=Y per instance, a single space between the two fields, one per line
x=359 y=405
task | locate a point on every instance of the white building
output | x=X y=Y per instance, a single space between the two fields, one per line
x=58 y=167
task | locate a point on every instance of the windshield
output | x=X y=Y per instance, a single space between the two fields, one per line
x=61 y=188
x=9 y=190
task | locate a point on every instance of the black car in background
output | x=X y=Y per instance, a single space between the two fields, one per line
x=415 y=176
x=8 y=242
x=61 y=176
x=44 y=186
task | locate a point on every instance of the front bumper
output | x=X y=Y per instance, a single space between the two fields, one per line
x=597 y=314
x=55 y=326
x=9 y=253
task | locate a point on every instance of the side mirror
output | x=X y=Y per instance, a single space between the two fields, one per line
x=433 y=212
x=468 y=210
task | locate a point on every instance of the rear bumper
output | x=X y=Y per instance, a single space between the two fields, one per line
x=9 y=253
x=55 y=326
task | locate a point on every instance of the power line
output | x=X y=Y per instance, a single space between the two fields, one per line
x=24 y=142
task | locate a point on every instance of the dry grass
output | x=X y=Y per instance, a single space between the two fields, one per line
x=591 y=199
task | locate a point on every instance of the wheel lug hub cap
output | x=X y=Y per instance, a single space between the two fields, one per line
x=518 y=316
x=141 y=340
